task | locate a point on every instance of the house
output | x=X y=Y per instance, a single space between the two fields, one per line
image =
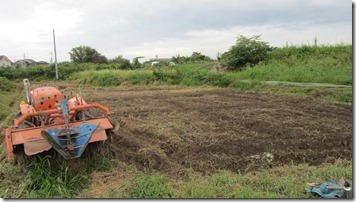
x=4 y=61
x=42 y=63
x=29 y=63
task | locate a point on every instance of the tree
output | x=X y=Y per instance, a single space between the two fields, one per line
x=120 y=62
x=82 y=54
x=246 y=51
x=180 y=59
x=101 y=59
x=136 y=63
x=197 y=56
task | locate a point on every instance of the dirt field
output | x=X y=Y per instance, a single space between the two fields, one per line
x=209 y=129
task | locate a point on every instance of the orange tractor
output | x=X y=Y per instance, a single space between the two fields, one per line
x=48 y=120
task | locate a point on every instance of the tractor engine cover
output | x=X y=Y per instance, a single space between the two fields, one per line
x=45 y=98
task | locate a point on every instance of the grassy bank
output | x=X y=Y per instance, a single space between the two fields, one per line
x=45 y=179
x=286 y=181
x=9 y=94
x=193 y=75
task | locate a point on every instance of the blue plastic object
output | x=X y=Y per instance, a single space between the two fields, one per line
x=324 y=192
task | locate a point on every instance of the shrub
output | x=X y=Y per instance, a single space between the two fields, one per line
x=120 y=63
x=141 y=78
x=5 y=84
x=246 y=51
x=105 y=79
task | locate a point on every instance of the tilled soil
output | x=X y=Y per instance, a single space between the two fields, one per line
x=170 y=129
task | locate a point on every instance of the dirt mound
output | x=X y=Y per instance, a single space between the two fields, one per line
x=209 y=129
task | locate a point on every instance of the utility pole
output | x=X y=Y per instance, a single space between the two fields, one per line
x=55 y=55
x=51 y=60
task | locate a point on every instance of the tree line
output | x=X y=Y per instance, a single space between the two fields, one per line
x=246 y=52
x=87 y=54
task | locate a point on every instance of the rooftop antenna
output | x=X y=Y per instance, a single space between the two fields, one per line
x=55 y=55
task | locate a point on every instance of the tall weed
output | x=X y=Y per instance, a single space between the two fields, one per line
x=47 y=181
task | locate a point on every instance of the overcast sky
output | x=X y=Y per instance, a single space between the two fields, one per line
x=165 y=28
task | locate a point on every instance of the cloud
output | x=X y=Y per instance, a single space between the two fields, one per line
x=130 y=27
x=212 y=41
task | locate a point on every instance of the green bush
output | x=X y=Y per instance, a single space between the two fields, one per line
x=246 y=51
x=168 y=76
x=120 y=63
x=5 y=84
x=144 y=78
x=105 y=78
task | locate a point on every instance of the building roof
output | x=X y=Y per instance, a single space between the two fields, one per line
x=3 y=57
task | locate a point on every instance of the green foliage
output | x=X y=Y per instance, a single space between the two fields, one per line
x=306 y=64
x=180 y=59
x=100 y=163
x=5 y=84
x=120 y=62
x=12 y=183
x=326 y=64
x=285 y=181
x=46 y=177
x=105 y=78
x=101 y=59
x=250 y=79
x=246 y=51
x=47 y=181
x=7 y=101
x=136 y=64
x=149 y=185
x=140 y=78
x=196 y=57
x=83 y=54
x=322 y=93
x=190 y=75
x=341 y=53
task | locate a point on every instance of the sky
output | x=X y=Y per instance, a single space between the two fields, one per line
x=165 y=28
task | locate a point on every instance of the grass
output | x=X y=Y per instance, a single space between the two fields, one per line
x=44 y=177
x=287 y=181
x=148 y=185
x=48 y=181
x=9 y=95
x=305 y=63
x=5 y=84
x=7 y=100
x=316 y=71
x=326 y=94
x=192 y=75
x=12 y=179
